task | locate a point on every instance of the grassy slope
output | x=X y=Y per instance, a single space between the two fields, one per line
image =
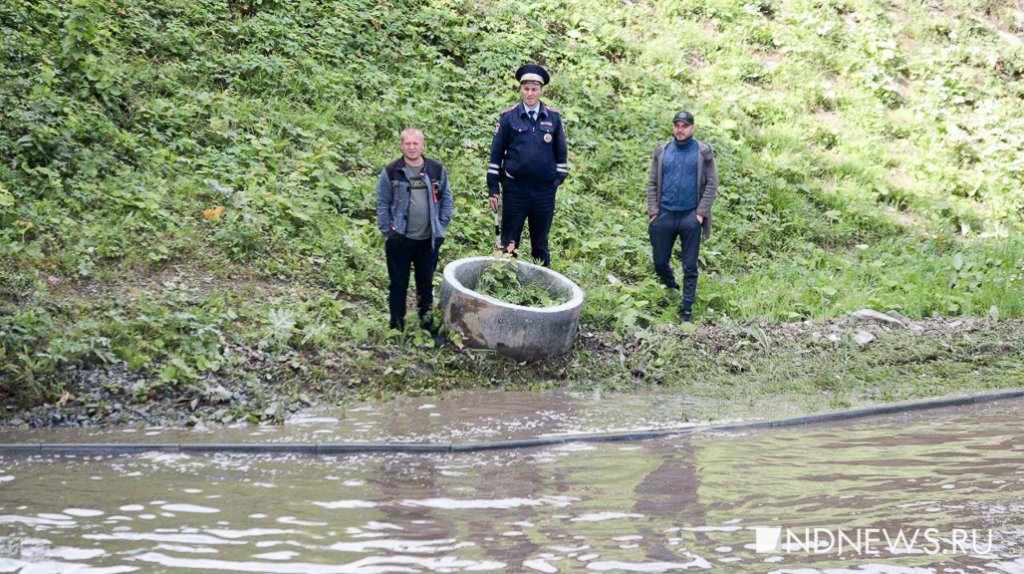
x=868 y=152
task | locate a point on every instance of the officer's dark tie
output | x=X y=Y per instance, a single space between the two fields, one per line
x=533 y=116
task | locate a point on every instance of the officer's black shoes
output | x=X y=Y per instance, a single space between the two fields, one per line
x=397 y=324
x=671 y=285
x=686 y=316
x=427 y=324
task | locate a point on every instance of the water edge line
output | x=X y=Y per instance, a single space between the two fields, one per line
x=434 y=448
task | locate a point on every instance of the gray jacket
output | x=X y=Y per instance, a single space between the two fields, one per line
x=707 y=183
x=393 y=198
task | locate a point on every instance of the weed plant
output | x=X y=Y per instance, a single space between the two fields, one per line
x=501 y=280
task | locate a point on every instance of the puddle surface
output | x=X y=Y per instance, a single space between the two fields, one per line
x=683 y=504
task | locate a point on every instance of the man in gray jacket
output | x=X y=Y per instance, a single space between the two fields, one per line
x=414 y=206
x=681 y=187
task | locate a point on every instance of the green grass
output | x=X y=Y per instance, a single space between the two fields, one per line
x=868 y=152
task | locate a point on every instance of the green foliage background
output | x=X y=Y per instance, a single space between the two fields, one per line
x=869 y=153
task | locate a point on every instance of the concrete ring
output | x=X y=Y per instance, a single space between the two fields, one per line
x=522 y=333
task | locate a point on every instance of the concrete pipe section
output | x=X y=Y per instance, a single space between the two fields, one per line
x=522 y=333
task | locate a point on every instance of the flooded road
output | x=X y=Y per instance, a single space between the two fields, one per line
x=702 y=502
x=461 y=417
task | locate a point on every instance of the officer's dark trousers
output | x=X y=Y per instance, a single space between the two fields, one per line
x=663 y=231
x=422 y=257
x=532 y=203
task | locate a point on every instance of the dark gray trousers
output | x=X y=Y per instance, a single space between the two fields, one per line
x=664 y=230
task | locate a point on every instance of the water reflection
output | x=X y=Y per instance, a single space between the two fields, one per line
x=668 y=505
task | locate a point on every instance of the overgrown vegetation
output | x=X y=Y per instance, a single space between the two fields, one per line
x=501 y=280
x=869 y=152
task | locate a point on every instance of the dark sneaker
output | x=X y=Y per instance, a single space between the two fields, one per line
x=397 y=324
x=686 y=316
x=671 y=285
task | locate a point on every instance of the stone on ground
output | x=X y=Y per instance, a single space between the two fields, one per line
x=868 y=315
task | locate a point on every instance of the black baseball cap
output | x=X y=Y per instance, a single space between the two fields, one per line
x=685 y=117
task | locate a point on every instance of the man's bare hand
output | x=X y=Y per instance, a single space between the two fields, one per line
x=494 y=201
x=652 y=218
x=700 y=219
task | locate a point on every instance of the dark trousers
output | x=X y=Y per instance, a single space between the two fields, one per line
x=532 y=203
x=421 y=255
x=663 y=231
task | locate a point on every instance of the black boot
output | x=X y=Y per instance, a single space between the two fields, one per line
x=427 y=323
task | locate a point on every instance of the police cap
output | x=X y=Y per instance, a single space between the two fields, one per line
x=532 y=73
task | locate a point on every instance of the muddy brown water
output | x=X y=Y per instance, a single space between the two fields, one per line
x=692 y=503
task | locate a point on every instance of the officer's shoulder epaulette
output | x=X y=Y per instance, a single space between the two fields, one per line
x=508 y=110
x=554 y=110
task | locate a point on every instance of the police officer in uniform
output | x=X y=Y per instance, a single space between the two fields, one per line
x=528 y=159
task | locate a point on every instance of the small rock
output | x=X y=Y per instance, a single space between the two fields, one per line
x=899 y=316
x=954 y=324
x=217 y=394
x=834 y=337
x=863 y=338
x=875 y=316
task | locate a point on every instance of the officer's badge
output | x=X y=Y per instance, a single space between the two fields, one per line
x=547 y=138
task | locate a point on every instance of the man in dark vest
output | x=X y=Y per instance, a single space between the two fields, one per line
x=414 y=206
x=681 y=186
x=528 y=159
